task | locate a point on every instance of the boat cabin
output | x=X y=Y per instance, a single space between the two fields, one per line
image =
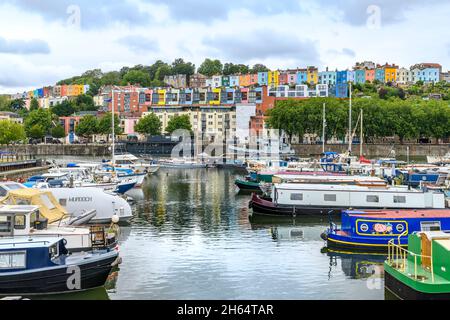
x=20 y=220
x=28 y=254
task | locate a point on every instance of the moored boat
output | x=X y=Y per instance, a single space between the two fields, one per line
x=325 y=199
x=371 y=231
x=420 y=272
x=248 y=185
x=44 y=266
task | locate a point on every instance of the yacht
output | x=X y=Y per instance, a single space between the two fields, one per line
x=129 y=161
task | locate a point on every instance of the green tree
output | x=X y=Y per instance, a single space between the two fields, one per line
x=41 y=117
x=87 y=127
x=34 y=104
x=210 y=67
x=58 y=132
x=64 y=109
x=137 y=77
x=11 y=132
x=4 y=103
x=259 y=68
x=150 y=124
x=179 y=122
x=105 y=124
x=181 y=67
x=111 y=78
x=36 y=132
x=17 y=104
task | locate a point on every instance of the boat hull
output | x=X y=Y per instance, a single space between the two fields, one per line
x=402 y=291
x=247 y=185
x=341 y=243
x=55 y=279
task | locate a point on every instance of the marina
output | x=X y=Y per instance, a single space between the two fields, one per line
x=192 y=226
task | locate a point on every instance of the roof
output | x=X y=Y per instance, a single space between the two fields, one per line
x=17 y=209
x=355 y=188
x=25 y=243
x=403 y=213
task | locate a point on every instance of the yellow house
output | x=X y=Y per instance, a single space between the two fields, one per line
x=312 y=75
x=215 y=99
x=273 y=78
x=390 y=73
x=161 y=97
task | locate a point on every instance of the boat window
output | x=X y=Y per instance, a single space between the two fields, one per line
x=15 y=260
x=399 y=199
x=297 y=196
x=23 y=202
x=47 y=202
x=53 y=251
x=430 y=226
x=329 y=197
x=373 y=199
x=19 y=222
x=5 y=225
x=33 y=217
x=3 y=192
x=63 y=202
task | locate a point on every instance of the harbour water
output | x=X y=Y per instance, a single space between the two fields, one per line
x=191 y=238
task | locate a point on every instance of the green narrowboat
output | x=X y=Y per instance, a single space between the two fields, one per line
x=421 y=272
x=247 y=185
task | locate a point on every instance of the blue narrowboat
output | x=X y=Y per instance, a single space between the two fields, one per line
x=371 y=231
x=30 y=266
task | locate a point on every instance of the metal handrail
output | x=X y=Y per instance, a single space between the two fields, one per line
x=397 y=252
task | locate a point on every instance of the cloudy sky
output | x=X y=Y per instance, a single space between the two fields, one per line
x=43 y=41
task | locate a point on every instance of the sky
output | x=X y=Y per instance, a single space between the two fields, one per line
x=44 y=41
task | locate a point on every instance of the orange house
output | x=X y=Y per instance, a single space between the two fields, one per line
x=370 y=75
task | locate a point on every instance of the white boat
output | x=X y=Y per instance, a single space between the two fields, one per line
x=328 y=179
x=29 y=221
x=182 y=164
x=129 y=161
x=310 y=199
x=439 y=159
x=76 y=200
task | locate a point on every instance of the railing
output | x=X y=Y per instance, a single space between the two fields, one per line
x=398 y=256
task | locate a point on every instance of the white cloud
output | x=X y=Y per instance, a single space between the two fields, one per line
x=279 y=34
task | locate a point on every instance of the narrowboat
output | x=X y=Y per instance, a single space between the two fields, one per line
x=323 y=199
x=420 y=272
x=35 y=266
x=371 y=231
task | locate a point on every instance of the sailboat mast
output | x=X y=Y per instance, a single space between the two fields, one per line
x=350 y=136
x=112 y=122
x=323 y=128
x=361 y=136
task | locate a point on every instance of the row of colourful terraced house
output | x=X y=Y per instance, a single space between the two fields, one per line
x=58 y=91
x=133 y=99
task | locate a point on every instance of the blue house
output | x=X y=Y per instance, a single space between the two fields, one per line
x=263 y=78
x=302 y=76
x=379 y=75
x=360 y=76
x=327 y=77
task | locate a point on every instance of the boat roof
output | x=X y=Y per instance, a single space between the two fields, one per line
x=17 y=209
x=21 y=243
x=125 y=157
x=329 y=177
x=54 y=174
x=403 y=213
x=328 y=187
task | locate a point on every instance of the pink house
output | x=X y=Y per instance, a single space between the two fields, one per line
x=370 y=75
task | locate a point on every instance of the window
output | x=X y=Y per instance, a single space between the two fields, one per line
x=5 y=224
x=13 y=260
x=47 y=202
x=63 y=202
x=19 y=222
x=297 y=196
x=329 y=197
x=374 y=199
x=53 y=251
x=399 y=199
x=430 y=226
